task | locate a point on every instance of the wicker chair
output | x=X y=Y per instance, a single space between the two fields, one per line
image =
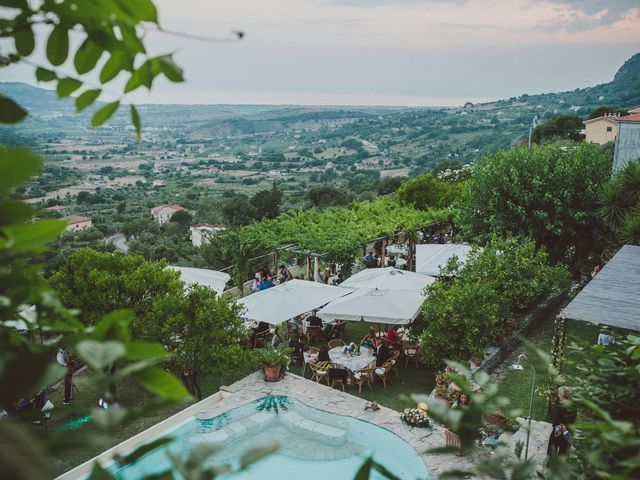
x=313 y=333
x=336 y=342
x=364 y=377
x=384 y=373
x=395 y=355
x=411 y=352
x=262 y=339
x=320 y=371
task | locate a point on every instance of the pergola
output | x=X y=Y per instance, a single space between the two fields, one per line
x=612 y=298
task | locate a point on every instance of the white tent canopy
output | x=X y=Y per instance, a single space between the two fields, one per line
x=376 y=306
x=389 y=278
x=430 y=257
x=201 y=276
x=288 y=300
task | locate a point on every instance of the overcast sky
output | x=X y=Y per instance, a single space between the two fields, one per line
x=391 y=52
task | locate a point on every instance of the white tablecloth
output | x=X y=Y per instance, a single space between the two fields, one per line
x=358 y=362
x=398 y=249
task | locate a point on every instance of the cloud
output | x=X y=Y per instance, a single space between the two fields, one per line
x=580 y=15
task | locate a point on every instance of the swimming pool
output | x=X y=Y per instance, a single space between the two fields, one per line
x=313 y=444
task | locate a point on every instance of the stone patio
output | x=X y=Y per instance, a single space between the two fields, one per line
x=335 y=401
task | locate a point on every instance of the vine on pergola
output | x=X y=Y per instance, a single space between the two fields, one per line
x=339 y=233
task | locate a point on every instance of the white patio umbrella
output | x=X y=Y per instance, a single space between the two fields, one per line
x=201 y=276
x=430 y=257
x=389 y=278
x=288 y=300
x=375 y=305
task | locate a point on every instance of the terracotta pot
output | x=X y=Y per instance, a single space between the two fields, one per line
x=272 y=373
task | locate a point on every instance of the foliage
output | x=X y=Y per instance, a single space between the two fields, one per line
x=323 y=196
x=267 y=202
x=562 y=127
x=120 y=39
x=183 y=217
x=548 y=193
x=621 y=203
x=424 y=192
x=484 y=300
x=605 y=109
x=203 y=330
x=272 y=356
x=97 y=283
x=339 y=232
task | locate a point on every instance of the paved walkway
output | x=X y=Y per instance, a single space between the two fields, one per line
x=538 y=440
x=336 y=401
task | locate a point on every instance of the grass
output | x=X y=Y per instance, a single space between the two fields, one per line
x=516 y=385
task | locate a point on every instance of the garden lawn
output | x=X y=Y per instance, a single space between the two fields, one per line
x=516 y=384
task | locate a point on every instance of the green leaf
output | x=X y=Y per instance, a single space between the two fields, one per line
x=109 y=418
x=99 y=355
x=17 y=165
x=143 y=350
x=10 y=111
x=104 y=113
x=164 y=64
x=25 y=41
x=14 y=211
x=143 y=10
x=87 y=98
x=365 y=469
x=99 y=473
x=141 y=76
x=141 y=451
x=135 y=119
x=66 y=86
x=58 y=45
x=44 y=75
x=87 y=56
x=114 y=326
x=113 y=66
x=161 y=383
x=130 y=38
x=32 y=237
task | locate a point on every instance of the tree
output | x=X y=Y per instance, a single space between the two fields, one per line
x=183 y=217
x=548 y=193
x=267 y=202
x=562 y=127
x=323 y=196
x=98 y=283
x=238 y=210
x=204 y=331
x=621 y=203
x=605 y=109
x=424 y=192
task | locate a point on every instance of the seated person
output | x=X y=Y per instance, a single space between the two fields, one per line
x=368 y=341
x=314 y=321
x=267 y=283
x=381 y=352
x=461 y=402
x=323 y=355
x=392 y=337
x=392 y=261
x=284 y=275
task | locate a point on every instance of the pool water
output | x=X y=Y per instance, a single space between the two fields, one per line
x=313 y=444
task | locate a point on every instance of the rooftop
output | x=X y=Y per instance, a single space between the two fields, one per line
x=71 y=219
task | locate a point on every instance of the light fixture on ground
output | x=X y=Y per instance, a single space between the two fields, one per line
x=519 y=366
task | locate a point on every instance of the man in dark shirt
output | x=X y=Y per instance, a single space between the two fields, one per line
x=562 y=418
x=381 y=352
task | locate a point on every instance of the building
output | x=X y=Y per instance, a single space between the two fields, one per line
x=77 y=222
x=628 y=141
x=162 y=213
x=601 y=130
x=201 y=233
x=56 y=208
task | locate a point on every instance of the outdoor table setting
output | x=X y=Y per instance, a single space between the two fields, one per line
x=353 y=363
x=398 y=249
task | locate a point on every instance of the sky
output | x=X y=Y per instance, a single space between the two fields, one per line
x=388 y=52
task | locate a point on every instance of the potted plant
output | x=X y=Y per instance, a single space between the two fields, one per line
x=273 y=360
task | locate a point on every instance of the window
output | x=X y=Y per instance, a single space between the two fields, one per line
x=609 y=129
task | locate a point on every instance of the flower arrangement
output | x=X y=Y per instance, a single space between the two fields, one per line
x=352 y=349
x=415 y=417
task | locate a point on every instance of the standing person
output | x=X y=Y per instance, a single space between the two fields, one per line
x=381 y=352
x=369 y=260
x=392 y=261
x=562 y=418
x=70 y=363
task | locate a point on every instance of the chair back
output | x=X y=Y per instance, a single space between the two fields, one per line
x=313 y=331
x=338 y=374
x=366 y=372
x=336 y=342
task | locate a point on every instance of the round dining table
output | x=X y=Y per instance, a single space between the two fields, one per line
x=353 y=363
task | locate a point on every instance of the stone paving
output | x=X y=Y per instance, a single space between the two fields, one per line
x=538 y=440
x=335 y=401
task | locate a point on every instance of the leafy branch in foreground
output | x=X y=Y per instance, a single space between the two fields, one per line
x=112 y=44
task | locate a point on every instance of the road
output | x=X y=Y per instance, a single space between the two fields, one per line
x=119 y=241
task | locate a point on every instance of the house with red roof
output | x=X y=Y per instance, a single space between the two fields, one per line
x=163 y=213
